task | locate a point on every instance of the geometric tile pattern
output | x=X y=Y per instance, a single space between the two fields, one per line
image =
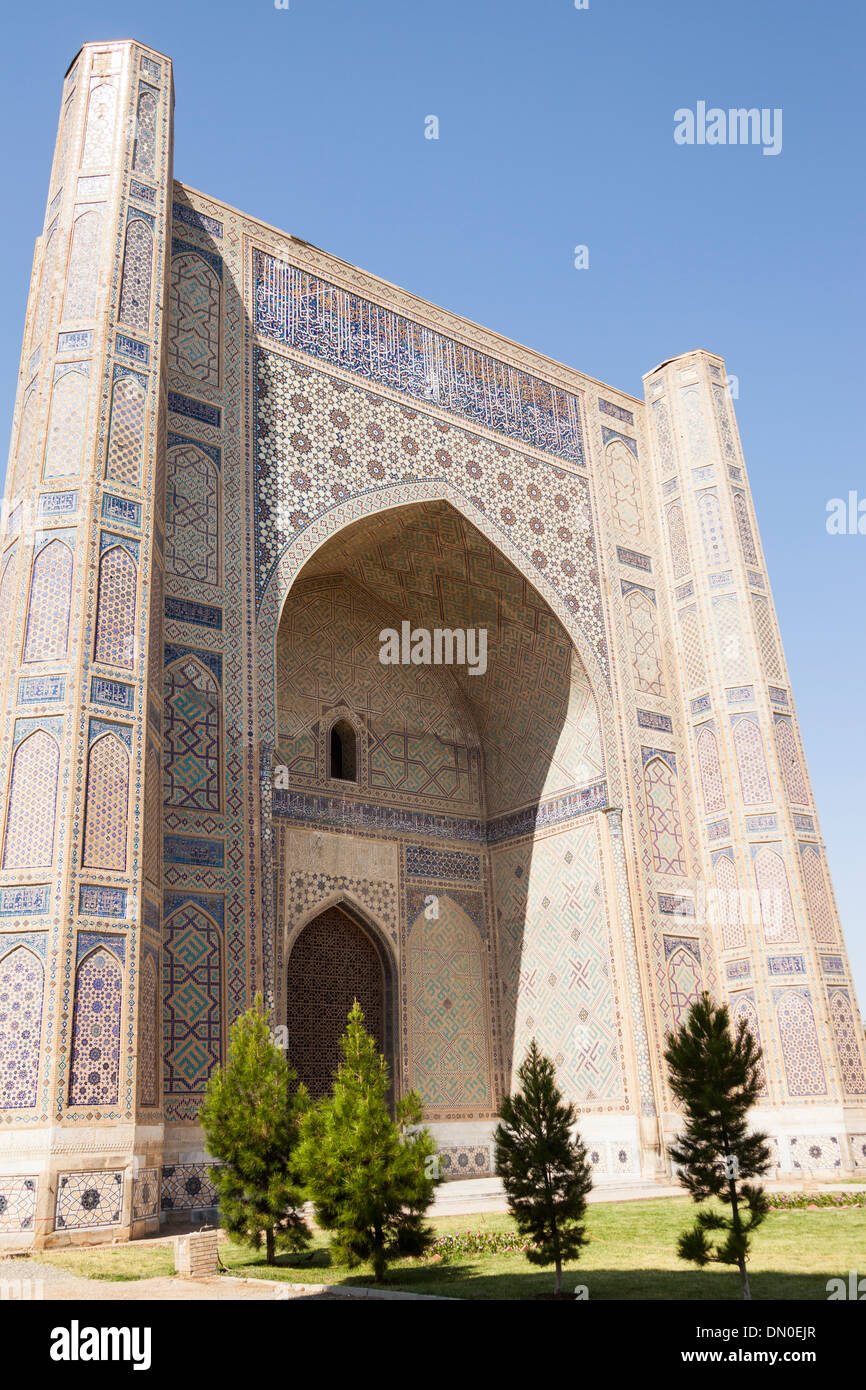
x=789 y=762
x=767 y=638
x=848 y=1046
x=333 y=962
x=625 y=496
x=729 y=900
x=192 y=1001
x=664 y=818
x=447 y=988
x=148 y=1036
x=798 y=1036
x=107 y=808
x=465 y=1161
x=17 y=1203
x=816 y=1152
x=66 y=425
x=191 y=733
x=145 y=134
x=21 y=992
x=115 y=616
x=712 y=531
x=732 y=646
x=751 y=762
x=83 y=274
x=29 y=841
x=126 y=433
x=820 y=912
x=194 y=308
x=135 y=287
x=192 y=515
x=677 y=539
x=555 y=966
x=645 y=642
x=145 y=1194
x=685 y=978
x=94 y=1073
x=188 y=1186
x=50 y=597
x=712 y=782
x=86 y=1201
x=774 y=894
x=743 y=1007
x=692 y=649
x=99 y=131
x=744 y=526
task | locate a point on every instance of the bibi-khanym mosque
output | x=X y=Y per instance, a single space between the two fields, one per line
x=235 y=461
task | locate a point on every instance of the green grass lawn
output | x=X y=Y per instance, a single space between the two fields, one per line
x=631 y=1255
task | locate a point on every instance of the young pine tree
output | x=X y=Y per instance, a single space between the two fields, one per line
x=543 y=1168
x=250 y=1119
x=370 y=1181
x=716 y=1075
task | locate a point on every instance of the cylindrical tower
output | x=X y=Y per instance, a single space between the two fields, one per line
x=80 y=1121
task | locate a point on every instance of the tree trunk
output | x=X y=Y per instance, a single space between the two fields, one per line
x=744 y=1280
x=269 y=1244
x=558 y=1275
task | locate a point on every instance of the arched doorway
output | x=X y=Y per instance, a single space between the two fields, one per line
x=333 y=962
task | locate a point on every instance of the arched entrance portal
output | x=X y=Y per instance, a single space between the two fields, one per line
x=333 y=962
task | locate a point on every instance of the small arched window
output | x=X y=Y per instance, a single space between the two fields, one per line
x=343 y=753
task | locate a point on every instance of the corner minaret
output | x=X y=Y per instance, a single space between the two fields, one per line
x=780 y=947
x=80 y=669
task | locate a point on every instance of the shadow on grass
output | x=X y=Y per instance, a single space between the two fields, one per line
x=466 y=1280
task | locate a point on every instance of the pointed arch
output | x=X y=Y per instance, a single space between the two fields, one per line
x=8 y=577
x=712 y=782
x=847 y=1039
x=137 y=273
x=22 y=987
x=82 y=276
x=685 y=976
x=774 y=895
x=65 y=439
x=624 y=487
x=194 y=318
x=801 y=1052
x=47 y=631
x=99 y=131
x=29 y=835
x=114 y=642
x=820 y=911
x=743 y=1010
x=790 y=763
x=751 y=761
x=663 y=815
x=144 y=155
x=192 y=515
x=26 y=440
x=192 y=736
x=106 y=816
x=94 y=1071
x=712 y=531
x=729 y=903
x=447 y=1023
x=645 y=642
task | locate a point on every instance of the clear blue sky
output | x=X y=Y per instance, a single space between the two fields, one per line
x=556 y=128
